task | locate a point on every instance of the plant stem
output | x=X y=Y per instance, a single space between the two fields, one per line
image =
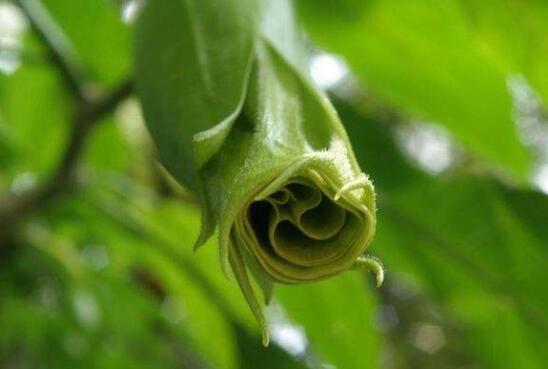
x=15 y=207
x=63 y=54
x=89 y=112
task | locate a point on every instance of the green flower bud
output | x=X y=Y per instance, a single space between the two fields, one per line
x=271 y=161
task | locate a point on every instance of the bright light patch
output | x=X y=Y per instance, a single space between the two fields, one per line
x=428 y=337
x=540 y=178
x=327 y=70
x=86 y=309
x=528 y=114
x=129 y=10
x=290 y=337
x=9 y=58
x=132 y=124
x=428 y=145
x=12 y=22
x=12 y=26
x=23 y=182
x=533 y=126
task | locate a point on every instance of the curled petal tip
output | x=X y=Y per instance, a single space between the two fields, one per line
x=379 y=276
x=360 y=181
x=372 y=264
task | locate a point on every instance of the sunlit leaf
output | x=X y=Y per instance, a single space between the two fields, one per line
x=426 y=59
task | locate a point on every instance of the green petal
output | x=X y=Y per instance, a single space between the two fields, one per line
x=240 y=272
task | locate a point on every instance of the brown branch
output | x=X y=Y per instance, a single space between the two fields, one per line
x=88 y=116
x=90 y=111
x=15 y=207
x=62 y=53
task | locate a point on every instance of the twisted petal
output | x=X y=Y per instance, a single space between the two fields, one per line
x=299 y=233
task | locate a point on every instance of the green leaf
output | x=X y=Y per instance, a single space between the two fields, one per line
x=468 y=241
x=198 y=313
x=337 y=317
x=140 y=246
x=513 y=35
x=108 y=149
x=426 y=59
x=83 y=308
x=35 y=132
x=200 y=294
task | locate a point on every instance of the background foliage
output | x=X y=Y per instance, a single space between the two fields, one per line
x=445 y=104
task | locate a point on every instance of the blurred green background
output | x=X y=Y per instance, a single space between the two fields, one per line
x=445 y=103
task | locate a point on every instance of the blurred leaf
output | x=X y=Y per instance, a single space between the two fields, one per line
x=7 y=149
x=461 y=239
x=202 y=299
x=46 y=320
x=190 y=305
x=177 y=225
x=106 y=261
x=97 y=33
x=530 y=209
x=35 y=118
x=108 y=150
x=425 y=58
x=513 y=34
x=337 y=317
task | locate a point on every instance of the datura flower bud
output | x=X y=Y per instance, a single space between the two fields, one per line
x=236 y=120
